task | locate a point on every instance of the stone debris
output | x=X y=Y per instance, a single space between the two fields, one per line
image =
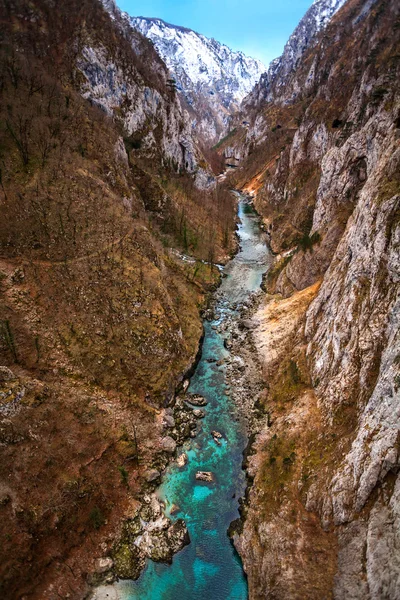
x=168 y=444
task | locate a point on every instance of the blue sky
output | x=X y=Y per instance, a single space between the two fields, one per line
x=259 y=28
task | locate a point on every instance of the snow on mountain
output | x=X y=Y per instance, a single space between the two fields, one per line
x=212 y=78
x=196 y=60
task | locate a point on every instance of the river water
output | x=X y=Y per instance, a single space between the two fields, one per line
x=209 y=568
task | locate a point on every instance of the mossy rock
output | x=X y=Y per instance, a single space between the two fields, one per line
x=161 y=551
x=146 y=513
x=128 y=561
x=133 y=528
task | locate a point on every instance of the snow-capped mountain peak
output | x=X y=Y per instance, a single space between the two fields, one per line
x=195 y=59
x=212 y=78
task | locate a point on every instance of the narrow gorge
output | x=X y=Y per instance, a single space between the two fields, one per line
x=200 y=308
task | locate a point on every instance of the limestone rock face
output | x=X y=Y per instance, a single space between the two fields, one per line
x=139 y=96
x=304 y=36
x=328 y=463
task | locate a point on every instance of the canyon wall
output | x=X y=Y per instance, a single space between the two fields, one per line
x=322 y=515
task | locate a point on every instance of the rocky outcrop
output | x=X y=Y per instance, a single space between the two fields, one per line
x=137 y=94
x=148 y=534
x=304 y=36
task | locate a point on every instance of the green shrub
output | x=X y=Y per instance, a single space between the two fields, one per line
x=124 y=475
x=97 y=518
x=294 y=371
x=306 y=242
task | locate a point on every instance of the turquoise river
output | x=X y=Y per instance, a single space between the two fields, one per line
x=209 y=567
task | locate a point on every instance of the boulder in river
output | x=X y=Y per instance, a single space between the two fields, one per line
x=206 y=476
x=217 y=437
x=178 y=536
x=174 y=509
x=199 y=413
x=196 y=400
x=216 y=434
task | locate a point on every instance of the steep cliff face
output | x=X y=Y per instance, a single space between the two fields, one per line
x=211 y=78
x=325 y=177
x=101 y=189
x=304 y=36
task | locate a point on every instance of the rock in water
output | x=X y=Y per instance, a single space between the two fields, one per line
x=198 y=413
x=182 y=460
x=196 y=400
x=174 y=509
x=206 y=476
x=178 y=536
x=216 y=434
x=217 y=437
